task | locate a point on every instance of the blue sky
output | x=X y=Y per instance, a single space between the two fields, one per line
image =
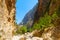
x=22 y=7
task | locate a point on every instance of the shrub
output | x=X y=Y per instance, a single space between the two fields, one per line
x=54 y=16
x=21 y=30
x=45 y=21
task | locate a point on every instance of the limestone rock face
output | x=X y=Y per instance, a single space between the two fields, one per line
x=54 y=6
x=43 y=6
x=56 y=30
x=7 y=19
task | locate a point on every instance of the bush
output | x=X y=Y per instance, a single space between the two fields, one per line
x=45 y=21
x=54 y=16
x=21 y=30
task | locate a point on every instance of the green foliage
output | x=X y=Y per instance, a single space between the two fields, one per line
x=45 y=21
x=21 y=30
x=54 y=16
x=36 y=26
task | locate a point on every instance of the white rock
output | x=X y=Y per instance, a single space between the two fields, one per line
x=16 y=38
x=28 y=39
x=37 y=38
x=28 y=36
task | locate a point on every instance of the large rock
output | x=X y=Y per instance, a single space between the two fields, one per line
x=37 y=33
x=26 y=37
x=7 y=19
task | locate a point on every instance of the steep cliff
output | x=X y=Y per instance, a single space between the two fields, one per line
x=7 y=19
x=49 y=6
x=43 y=6
x=29 y=17
x=54 y=7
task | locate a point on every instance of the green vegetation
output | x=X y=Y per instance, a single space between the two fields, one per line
x=44 y=22
x=21 y=30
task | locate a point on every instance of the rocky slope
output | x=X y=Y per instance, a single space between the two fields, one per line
x=29 y=17
x=46 y=35
x=36 y=12
x=49 y=33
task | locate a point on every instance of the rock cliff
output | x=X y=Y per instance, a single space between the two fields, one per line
x=44 y=6
x=7 y=19
x=29 y=17
x=51 y=7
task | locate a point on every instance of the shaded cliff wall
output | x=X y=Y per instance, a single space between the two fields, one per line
x=7 y=19
x=43 y=6
x=53 y=7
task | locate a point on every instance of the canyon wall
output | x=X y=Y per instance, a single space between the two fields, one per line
x=7 y=19
x=49 y=6
x=43 y=6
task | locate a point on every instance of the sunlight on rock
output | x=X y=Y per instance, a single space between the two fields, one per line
x=15 y=37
